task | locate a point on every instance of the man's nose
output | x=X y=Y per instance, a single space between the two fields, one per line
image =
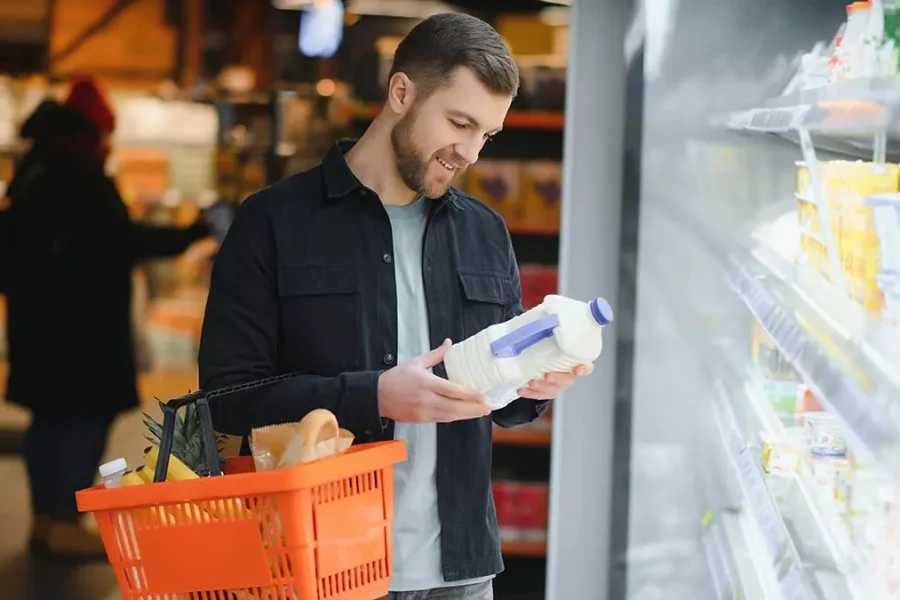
x=469 y=150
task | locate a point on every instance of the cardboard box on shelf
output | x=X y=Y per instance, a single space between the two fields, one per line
x=504 y=501
x=541 y=191
x=532 y=502
x=537 y=282
x=497 y=184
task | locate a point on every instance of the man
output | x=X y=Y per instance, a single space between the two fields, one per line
x=351 y=273
x=67 y=256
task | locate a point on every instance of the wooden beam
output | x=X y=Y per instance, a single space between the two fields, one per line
x=193 y=27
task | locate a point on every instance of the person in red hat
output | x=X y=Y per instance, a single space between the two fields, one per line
x=86 y=97
x=68 y=286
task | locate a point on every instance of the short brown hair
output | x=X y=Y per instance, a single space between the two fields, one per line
x=436 y=47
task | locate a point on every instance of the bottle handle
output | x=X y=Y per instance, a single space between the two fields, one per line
x=513 y=343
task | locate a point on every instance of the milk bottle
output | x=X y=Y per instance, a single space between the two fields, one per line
x=557 y=335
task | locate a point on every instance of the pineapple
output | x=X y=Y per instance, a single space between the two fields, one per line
x=187 y=441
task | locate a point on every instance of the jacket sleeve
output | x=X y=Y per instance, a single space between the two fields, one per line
x=140 y=241
x=521 y=410
x=240 y=340
x=150 y=241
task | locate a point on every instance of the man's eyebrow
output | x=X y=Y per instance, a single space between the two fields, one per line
x=472 y=120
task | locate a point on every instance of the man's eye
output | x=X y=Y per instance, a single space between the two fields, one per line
x=459 y=125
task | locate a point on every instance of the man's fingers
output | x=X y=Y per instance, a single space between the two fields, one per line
x=455 y=391
x=547 y=388
x=585 y=369
x=434 y=357
x=532 y=394
x=449 y=409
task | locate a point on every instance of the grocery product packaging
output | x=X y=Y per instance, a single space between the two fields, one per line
x=532 y=507
x=824 y=436
x=315 y=437
x=538 y=281
x=504 y=491
x=864 y=235
x=557 y=335
x=779 y=380
x=542 y=191
x=496 y=183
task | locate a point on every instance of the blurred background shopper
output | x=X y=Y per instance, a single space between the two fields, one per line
x=71 y=357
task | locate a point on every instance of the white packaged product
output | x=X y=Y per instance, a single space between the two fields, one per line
x=556 y=336
x=889 y=284
x=886 y=215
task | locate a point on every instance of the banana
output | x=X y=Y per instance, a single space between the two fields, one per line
x=131 y=478
x=178 y=471
x=145 y=474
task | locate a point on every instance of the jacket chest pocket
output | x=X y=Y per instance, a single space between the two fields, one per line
x=320 y=318
x=486 y=297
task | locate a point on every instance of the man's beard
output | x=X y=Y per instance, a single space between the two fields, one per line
x=412 y=167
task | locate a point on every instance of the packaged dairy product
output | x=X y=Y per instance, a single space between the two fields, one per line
x=886 y=214
x=824 y=436
x=555 y=336
x=889 y=284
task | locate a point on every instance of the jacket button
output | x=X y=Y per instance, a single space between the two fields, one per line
x=388 y=359
x=387 y=258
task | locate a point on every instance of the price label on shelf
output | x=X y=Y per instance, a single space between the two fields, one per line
x=761 y=503
x=792 y=586
x=714 y=558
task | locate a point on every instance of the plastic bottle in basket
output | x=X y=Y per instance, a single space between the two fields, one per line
x=556 y=336
x=112 y=472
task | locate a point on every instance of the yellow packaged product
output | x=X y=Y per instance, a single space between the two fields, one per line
x=542 y=191
x=859 y=239
x=497 y=184
x=781 y=457
x=804 y=181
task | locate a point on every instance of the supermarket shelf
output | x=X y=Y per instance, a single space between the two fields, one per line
x=848 y=359
x=776 y=562
x=730 y=561
x=525 y=549
x=861 y=106
x=519 y=119
x=543 y=229
x=522 y=437
x=809 y=504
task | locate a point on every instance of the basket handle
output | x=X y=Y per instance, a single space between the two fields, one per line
x=201 y=399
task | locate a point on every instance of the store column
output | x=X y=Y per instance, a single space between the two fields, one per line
x=578 y=564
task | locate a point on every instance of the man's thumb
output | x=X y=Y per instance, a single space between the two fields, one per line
x=434 y=357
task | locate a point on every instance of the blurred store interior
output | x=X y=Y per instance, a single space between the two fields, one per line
x=214 y=100
x=735 y=164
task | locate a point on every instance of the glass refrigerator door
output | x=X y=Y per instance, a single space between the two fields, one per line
x=745 y=440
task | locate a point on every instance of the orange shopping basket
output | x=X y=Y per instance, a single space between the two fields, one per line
x=319 y=531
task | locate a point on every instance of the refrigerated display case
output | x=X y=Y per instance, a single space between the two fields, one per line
x=741 y=438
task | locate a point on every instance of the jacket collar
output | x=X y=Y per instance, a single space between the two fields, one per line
x=340 y=180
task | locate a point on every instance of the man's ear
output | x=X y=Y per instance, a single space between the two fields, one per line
x=401 y=93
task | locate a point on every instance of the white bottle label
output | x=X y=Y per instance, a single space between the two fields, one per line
x=501 y=394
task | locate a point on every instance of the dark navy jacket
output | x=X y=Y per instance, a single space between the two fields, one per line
x=304 y=282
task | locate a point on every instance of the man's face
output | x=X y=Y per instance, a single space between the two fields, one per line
x=443 y=134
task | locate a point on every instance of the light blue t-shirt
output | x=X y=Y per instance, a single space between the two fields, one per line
x=417 y=528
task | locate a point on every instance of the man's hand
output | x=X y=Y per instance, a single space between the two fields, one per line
x=410 y=393
x=553 y=384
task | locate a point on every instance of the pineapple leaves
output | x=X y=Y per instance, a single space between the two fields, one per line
x=187 y=439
